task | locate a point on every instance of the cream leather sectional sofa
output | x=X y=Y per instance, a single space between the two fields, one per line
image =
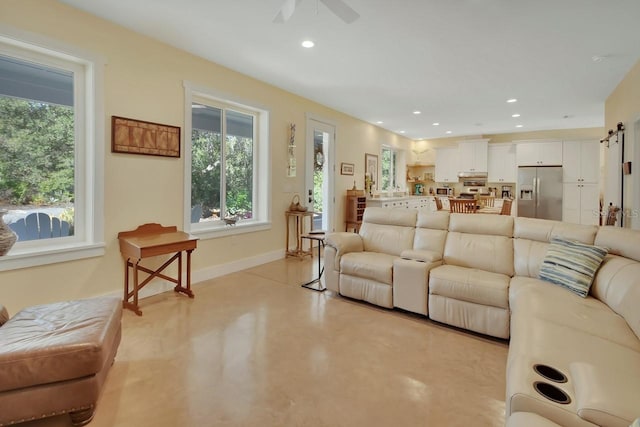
x=572 y=361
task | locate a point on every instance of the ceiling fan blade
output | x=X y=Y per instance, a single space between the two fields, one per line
x=286 y=11
x=342 y=10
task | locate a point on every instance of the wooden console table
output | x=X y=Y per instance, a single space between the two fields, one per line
x=151 y=240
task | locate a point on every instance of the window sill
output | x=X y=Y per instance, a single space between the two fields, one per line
x=17 y=259
x=230 y=230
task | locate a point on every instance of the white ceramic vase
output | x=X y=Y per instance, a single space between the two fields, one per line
x=7 y=236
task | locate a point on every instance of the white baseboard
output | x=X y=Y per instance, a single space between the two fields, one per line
x=234 y=266
x=158 y=286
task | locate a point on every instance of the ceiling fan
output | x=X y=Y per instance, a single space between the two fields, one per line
x=338 y=7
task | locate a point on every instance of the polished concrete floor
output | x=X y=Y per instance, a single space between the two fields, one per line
x=255 y=349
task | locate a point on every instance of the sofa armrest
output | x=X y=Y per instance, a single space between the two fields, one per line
x=421 y=255
x=606 y=395
x=344 y=242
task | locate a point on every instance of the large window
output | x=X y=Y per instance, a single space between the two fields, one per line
x=221 y=140
x=389 y=166
x=226 y=168
x=48 y=161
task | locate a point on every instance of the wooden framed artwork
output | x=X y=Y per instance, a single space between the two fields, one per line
x=346 y=168
x=140 y=137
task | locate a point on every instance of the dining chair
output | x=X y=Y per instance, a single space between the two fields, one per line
x=438 y=203
x=486 y=201
x=462 y=205
x=506 y=207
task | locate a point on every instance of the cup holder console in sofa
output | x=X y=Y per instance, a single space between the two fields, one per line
x=552 y=374
x=552 y=392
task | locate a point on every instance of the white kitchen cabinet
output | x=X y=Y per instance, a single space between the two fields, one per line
x=446 y=164
x=502 y=163
x=547 y=153
x=581 y=203
x=472 y=156
x=581 y=161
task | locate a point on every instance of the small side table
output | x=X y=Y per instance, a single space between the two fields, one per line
x=151 y=240
x=315 y=284
x=299 y=223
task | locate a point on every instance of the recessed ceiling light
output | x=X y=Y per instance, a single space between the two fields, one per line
x=401 y=131
x=436 y=124
x=515 y=115
x=448 y=131
x=518 y=126
x=512 y=100
x=308 y=44
x=417 y=112
x=379 y=122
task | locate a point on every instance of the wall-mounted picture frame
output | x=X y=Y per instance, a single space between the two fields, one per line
x=133 y=136
x=346 y=168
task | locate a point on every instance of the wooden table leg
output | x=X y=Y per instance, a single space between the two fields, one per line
x=125 y=300
x=287 y=239
x=125 y=303
x=179 y=288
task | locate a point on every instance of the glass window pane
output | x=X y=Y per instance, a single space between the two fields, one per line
x=37 y=142
x=239 y=165
x=388 y=168
x=205 y=163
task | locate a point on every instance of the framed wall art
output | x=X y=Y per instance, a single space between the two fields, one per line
x=346 y=168
x=140 y=137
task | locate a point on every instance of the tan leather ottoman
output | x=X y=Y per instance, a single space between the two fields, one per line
x=54 y=359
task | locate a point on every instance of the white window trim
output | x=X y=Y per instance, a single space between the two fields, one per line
x=262 y=164
x=89 y=156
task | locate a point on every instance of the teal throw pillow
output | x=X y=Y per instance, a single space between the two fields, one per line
x=572 y=264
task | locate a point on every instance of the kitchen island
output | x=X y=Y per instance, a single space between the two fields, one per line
x=416 y=202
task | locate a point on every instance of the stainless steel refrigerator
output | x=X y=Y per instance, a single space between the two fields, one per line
x=540 y=192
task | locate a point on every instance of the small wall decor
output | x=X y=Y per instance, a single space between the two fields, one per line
x=291 y=152
x=346 y=168
x=140 y=137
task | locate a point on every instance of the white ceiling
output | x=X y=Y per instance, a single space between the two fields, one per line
x=457 y=61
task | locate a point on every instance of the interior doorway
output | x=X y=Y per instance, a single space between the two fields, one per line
x=319 y=179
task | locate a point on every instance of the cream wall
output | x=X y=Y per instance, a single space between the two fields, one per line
x=144 y=80
x=623 y=105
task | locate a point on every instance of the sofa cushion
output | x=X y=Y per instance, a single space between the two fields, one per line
x=368 y=265
x=492 y=225
x=431 y=240
x=388 y=239
x=571 y=264
x=438 y=220
x=57 y=342
x=528 y=256
x=386 y=216
x=471 y=285
x=617 y=284
x=531 y=299
x=543 y=230
x=484 y=252
x=620 y=241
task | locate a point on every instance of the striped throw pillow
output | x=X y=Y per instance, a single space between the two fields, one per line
x=572 y=264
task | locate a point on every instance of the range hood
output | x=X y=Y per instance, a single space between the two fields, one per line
x=472 y=174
